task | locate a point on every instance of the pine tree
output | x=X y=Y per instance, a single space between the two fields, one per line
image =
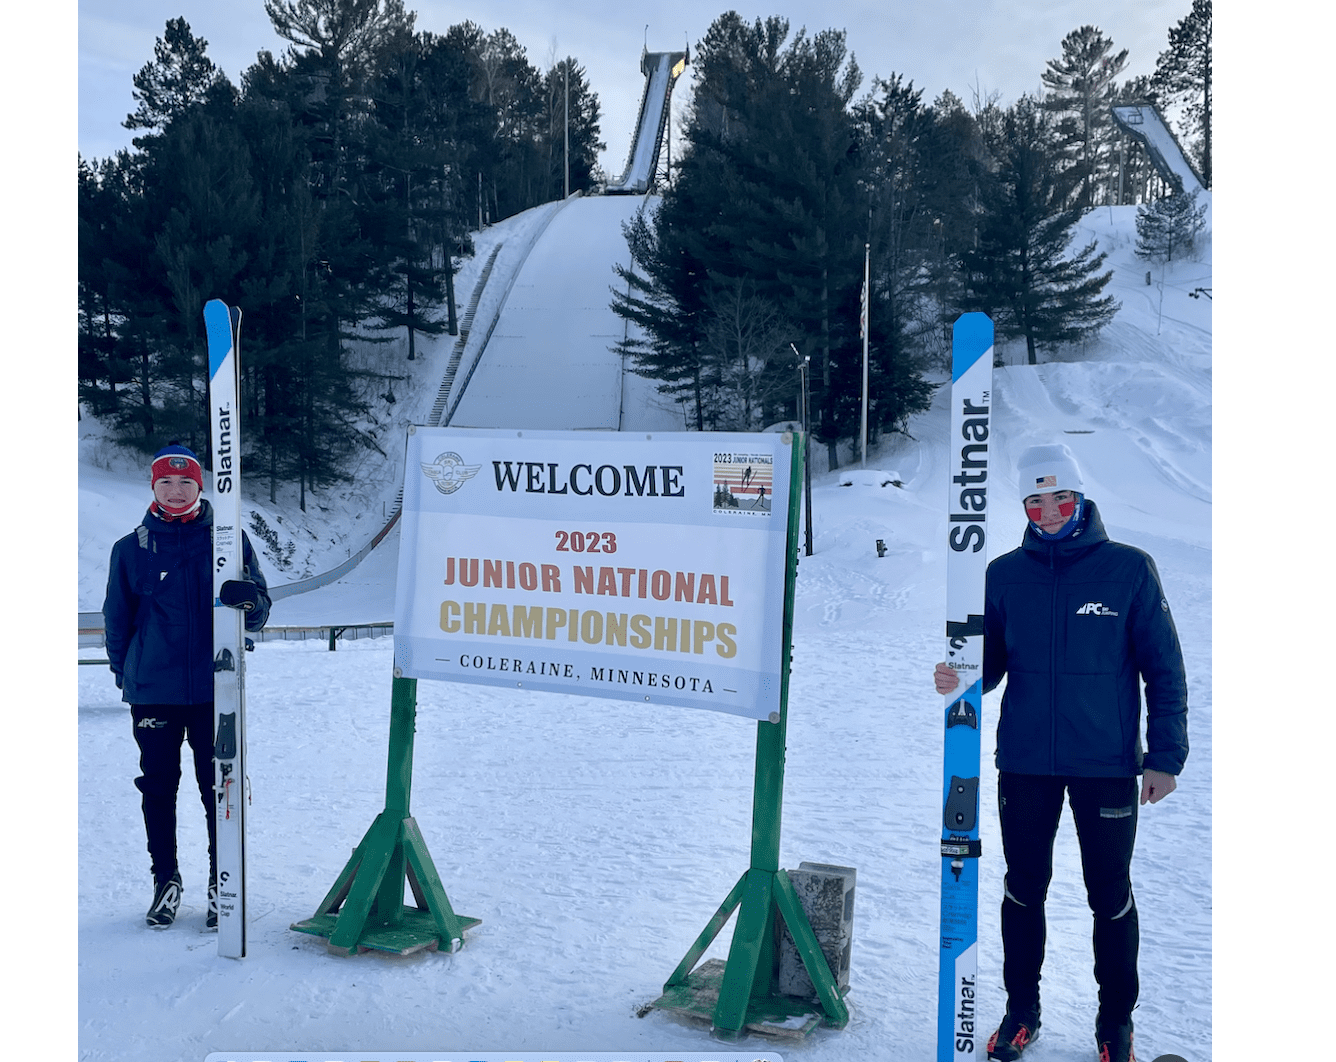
x=761 y=234
x=198 y=184
x=1183 y=74
x=412 y=196
x=952 y=160
x=1023 y=272
x=512 y=89
x=806 y=219
x=349 y=35
x=108 y=240
x=1168 y=226
x=178 y=78
x=664 y=299
x=570 y=108
x=1081 y=86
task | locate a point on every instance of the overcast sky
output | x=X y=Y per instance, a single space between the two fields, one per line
x=999 y=47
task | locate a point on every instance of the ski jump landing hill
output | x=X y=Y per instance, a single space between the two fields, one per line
x=1144 y=124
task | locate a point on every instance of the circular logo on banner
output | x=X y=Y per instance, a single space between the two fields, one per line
x=449 y=472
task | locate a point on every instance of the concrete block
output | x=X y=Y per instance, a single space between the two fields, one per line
x=826 y=894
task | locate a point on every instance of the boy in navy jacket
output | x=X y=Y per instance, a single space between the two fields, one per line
x=1076 y=622
x=159 y=627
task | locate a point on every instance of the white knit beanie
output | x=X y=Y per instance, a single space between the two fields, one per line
x=1042 y=469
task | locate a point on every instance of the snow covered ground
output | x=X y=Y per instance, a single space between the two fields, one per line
x=593 y=838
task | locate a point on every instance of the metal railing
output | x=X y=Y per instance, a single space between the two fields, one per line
x=94 y=636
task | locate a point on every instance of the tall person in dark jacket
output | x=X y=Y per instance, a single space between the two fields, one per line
x=1076 y=623
x=159 y=623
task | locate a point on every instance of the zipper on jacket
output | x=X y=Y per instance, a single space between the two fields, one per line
x=190 y=678
x=1053 y=664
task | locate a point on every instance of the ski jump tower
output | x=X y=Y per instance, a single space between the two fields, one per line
x=661 y=70
x=1143 y=122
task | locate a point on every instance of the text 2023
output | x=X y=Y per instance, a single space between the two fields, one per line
x=586 y=542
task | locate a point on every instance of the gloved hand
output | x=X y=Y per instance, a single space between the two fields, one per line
x=239 y=593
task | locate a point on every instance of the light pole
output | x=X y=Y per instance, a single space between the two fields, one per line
x=863 y=327
x=566 y=121
x=804 y=361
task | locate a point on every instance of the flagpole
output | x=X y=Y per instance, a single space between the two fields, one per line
x=863 y=327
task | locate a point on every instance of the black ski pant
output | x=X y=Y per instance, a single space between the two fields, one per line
x=1105 y=812
x=159 y=732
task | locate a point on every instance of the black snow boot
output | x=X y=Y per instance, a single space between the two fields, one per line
x=1115 y=1043
x=166 y=899
x=1013 y=1036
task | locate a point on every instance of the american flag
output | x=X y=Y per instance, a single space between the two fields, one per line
x=1046 y=481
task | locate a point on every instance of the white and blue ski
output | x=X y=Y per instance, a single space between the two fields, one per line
x=223 y=325
x=959 y=1037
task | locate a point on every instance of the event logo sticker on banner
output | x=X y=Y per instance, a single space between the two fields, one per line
x=744 y=483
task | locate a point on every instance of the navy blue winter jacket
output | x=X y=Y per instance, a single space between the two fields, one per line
x=1076 y=625
x=159 y=609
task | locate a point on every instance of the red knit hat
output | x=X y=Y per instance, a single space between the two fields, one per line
x=176 y=460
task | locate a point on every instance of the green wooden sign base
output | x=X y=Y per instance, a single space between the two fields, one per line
x=364 y=909
x=742 y=997
x=747 y=995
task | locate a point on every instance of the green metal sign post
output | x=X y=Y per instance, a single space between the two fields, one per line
x=764 y=895
x=365 y=909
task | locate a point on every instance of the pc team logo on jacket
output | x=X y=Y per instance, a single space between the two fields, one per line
x=449 y=472
x=1095 y=608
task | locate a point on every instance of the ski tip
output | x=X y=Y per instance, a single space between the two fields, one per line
x=218 y=328
x=971 y=339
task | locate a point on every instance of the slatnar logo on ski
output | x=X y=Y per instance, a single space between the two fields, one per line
x=965 y=1017
x=972 y=477
x=449 y=472
x=222 y=472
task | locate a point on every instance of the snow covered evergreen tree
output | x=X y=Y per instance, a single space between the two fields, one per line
x=1023 y=272
x=1168 y=226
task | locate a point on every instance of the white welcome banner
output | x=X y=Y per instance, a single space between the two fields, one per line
x=647 y=568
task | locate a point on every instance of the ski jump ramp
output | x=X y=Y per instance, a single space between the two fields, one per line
x=547 y=360
x=661 y=70
x=1144 y=123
